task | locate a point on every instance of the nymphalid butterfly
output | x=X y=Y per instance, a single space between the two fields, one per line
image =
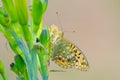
x=64 y=52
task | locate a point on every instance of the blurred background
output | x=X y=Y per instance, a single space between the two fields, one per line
x=97 y=33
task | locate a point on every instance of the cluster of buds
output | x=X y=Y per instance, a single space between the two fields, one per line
x=21 y=24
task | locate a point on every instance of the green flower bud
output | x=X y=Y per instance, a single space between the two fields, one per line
x=10 y=9
x=20 y=64
x=22 y=11
x=14 y=68
x=37 y=11
x=45 y=3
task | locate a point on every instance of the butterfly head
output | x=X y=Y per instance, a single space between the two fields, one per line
x=54 y=31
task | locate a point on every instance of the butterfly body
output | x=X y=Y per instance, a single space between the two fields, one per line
x=64 y=52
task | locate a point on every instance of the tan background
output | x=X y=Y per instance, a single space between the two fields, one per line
x=97 y=26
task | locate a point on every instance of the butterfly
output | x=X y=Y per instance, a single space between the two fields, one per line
x=64 y=52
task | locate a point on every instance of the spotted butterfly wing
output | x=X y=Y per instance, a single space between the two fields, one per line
x=65 y=53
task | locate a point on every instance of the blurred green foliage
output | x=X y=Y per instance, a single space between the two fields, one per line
x=22 y=32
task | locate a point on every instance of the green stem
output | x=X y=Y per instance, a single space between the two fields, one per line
x=27 y=35
x=29 y=56
x=44 y=67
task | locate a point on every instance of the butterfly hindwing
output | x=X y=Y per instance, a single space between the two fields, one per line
x=80 y=60
x=67 y=55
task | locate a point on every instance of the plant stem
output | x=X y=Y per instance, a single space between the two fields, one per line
x=44 y=67
x=29 y=56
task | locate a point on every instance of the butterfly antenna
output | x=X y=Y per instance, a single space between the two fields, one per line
x=59 y=21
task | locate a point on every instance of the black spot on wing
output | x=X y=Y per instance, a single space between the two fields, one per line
x=75 y=50
x=73 y=46
x=79 y=54
x=76 y=60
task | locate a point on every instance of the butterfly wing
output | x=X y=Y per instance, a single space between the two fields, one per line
x=80 y=59
x=68 y=55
